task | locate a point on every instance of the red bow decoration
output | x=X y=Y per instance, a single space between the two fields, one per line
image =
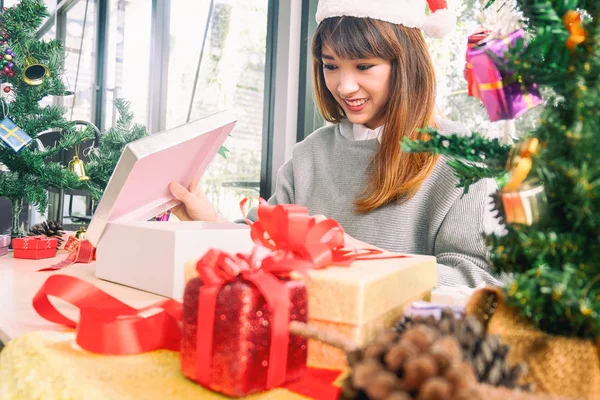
x=106 y=325
x=82 y=251
x=289 y=230
x=216 y=268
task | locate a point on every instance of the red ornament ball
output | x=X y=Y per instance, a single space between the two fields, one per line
x=6 y=89
x=11 y=74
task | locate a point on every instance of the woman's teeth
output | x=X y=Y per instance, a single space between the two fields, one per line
x=356 y=103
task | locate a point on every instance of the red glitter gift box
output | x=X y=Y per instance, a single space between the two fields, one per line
x=35 y=247
x=236 y=337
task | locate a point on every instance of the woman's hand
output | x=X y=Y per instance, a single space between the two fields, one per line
x=194 y=206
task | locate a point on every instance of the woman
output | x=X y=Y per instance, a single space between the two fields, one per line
x=375 y=82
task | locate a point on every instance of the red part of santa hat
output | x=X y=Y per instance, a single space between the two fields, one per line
x=441 y=20
x=410 y=13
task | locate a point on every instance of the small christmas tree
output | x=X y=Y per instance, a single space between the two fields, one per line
x=32 y=71
x=554 y=258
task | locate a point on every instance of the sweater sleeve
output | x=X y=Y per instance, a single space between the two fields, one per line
x=459 y=244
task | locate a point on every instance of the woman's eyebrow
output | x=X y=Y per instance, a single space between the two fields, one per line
x=327 y=56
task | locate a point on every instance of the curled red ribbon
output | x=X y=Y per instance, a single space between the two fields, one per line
x=106 y=325
x=217 y=268
x=82 y=251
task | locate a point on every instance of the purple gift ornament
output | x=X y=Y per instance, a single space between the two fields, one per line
x=425 y=309
x=503 y=93
x=4 y=243
x=163 y=217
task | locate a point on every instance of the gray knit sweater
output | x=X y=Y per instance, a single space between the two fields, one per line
x=327 y=172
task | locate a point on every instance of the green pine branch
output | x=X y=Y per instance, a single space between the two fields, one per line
x=475 y=157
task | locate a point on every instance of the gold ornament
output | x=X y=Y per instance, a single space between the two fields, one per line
x=80 y=234
x=519 y=163
x=34 y=73
x=526 y=206
x=574 y=25
x=77 y=166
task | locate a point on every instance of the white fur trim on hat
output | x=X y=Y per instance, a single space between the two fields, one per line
x=410 y=13
x=440 y=23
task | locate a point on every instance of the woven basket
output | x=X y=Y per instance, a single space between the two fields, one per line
x=557 y=365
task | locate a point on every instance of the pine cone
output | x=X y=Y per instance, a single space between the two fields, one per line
x=419 y=364
x=484 y=352
x=48 y=228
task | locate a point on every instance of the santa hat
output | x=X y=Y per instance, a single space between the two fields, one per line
x=410 y=13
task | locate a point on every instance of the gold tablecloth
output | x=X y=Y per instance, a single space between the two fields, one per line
x=50 y=365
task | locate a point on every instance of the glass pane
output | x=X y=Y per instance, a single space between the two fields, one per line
x=80 y=61
x=231 y=77
x=128 y=58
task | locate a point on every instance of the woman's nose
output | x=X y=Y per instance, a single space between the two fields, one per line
x=348 y=85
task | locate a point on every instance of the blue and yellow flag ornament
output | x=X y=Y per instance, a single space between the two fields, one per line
x=13 y=136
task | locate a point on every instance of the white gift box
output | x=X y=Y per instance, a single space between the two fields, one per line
x=151 y=255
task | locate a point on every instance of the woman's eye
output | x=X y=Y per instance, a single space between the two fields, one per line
x=364 y=67
x=329 y=66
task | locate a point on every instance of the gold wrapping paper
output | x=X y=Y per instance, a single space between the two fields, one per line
x=321 y=355
x=368 y=289
x=49 y=365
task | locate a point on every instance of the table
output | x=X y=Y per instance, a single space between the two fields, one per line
x=20 y=280
x=43 y=364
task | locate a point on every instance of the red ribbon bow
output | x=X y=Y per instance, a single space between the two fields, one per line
x=216 y=268
x=106 y=325
x=289 y=230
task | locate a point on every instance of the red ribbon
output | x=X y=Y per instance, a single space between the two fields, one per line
x=106 y=325
x=288 y=228
x=217 y=268
x=82 y=252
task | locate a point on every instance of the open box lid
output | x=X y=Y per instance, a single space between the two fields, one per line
x=138 y=188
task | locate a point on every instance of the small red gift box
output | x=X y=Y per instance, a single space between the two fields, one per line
x=34 y=247
x=236 y=337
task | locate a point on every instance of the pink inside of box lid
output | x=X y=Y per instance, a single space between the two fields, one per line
x=146 y=194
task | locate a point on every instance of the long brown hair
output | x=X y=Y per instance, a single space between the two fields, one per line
x=396 y=176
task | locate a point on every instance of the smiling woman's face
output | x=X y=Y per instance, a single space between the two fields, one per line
x=361 y=86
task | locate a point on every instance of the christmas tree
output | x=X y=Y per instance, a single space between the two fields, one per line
x=32 y=71
x=553 y=254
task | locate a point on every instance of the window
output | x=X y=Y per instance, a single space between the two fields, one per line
x=80 y=60
x=230 y=76
x=128 y=58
